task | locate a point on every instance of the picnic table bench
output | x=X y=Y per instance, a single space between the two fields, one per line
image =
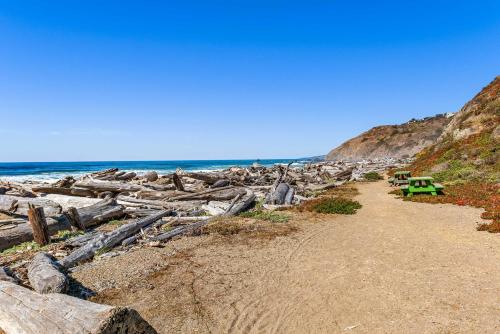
x=400 y=177
x=422 y=185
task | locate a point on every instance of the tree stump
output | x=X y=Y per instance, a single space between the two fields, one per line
x=177 y=182
x=38 y=223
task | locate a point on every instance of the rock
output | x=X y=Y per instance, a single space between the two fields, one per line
x=151 y=176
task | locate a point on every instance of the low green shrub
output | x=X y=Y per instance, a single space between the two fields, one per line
x=266 y=215
x=337 y=205
x=372 y=176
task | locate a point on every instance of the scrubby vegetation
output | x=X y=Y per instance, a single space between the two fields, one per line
x=373 y=176
x=330 y=205
x=467 y=159
x=271 y=216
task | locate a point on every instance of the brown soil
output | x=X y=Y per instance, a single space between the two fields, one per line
x=394 y=267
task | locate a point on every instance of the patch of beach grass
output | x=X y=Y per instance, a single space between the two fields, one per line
x=23 y=247
x=331 y=205
x=270 y=216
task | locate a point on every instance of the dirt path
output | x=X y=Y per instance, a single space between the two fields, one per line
x=395 y=267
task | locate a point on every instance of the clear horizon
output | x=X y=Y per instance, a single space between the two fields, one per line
x=191 y=80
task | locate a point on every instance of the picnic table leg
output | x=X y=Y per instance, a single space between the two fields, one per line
x=433 y=193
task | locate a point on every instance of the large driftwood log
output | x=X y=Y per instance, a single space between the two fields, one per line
x=36 y=217
x=218 y=194
x=20 y=205
x=102 y=186
x=110 y=239
x=23 y=311
x=102 y=211
x=209 y=178
x=157 y=204
x=242 y=203
x=278 y=195
x=14 y=189
x=64 y=191
x=44 y=275
x=91 y=215
x=23 y=232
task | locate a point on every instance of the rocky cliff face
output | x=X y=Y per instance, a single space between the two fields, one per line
x=398 y=141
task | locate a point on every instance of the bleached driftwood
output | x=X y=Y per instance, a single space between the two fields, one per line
x=64 y=191
x=23 y=232
x=20 y=205
x=110 y=239
x=23 y=311
x=114 y=187
x=44 y=275
x=102 y=211
x=88 y=216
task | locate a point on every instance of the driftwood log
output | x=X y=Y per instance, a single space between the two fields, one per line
x=177 y=182
x=110 y=239
x=114 y=187
x=23 y=311
x=44 y=275
x=64 y=191
x=20 y=205
x=242 y=203
x=88 y=216
x=102 y=211
x=209 y=178
x=5 y=275
x=36 y=217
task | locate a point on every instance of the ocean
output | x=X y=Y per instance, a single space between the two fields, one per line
x=51 y=171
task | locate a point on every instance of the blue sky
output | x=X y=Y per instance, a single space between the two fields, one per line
x=161 y=80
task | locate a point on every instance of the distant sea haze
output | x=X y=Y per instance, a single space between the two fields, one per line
x=50 y=171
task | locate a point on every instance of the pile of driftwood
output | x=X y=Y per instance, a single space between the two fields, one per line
x=189 y=198
x=184 y=200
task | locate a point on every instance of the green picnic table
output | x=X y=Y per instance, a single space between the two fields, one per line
x=421 y=185
x=400 y=177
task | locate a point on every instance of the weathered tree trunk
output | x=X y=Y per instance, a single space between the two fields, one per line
x=64 y=191
x=102 y=186
x=180 y=230
x=110 y=239
x=44 y=275
x=218 y=194
x=221 y=183
x=23 y=232
x=126 y=176
x=74 y=218
x=23 y=311
x=289 y=196
x=209 y=178
x=20 y=205
x=177 y=182
x=242 y=204
x=89 y=216
x=278 y=195
x=102 y=211
x=38 y=223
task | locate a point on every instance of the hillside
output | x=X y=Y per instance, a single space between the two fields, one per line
x=468 y=148
x=466 y=158
x=398 y=141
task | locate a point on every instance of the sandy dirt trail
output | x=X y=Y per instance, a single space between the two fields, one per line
x=394 y=267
